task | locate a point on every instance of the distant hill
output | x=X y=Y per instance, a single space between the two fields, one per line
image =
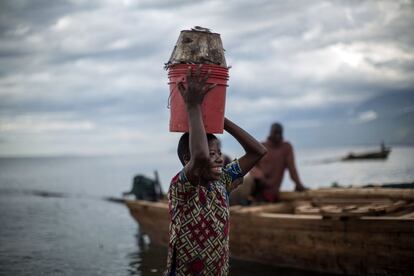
x=388 y=117
x=395 y=121
x=389 y=104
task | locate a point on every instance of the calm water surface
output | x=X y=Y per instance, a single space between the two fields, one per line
x=54 y=220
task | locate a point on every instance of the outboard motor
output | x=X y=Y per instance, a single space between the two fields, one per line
x=145 y=188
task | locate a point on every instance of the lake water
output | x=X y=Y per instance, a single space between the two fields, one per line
x=54 y=219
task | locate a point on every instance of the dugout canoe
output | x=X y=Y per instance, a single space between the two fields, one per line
x=345 y=231
x=381 y=154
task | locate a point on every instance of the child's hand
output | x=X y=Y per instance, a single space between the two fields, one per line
x=196 y=88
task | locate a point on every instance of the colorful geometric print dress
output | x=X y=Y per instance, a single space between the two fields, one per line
x=199 y=224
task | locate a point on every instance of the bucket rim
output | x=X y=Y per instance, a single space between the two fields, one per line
x=186 y=65
x=182 y=77
x=210 y=75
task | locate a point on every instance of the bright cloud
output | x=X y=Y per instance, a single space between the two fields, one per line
x=367 y=116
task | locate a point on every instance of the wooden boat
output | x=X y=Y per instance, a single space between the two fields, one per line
x=347 y=231
x=381 y=154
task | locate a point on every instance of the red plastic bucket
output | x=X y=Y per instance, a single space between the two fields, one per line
x=214 y=102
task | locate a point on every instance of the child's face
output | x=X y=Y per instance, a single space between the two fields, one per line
x=216 y=159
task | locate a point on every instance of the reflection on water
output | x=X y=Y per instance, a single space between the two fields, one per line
x=147 y=259
x=134 y=263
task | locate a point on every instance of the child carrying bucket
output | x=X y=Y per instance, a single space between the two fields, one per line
x=198 y=194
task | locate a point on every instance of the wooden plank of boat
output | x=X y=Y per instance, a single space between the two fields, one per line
x=307 y=209
x=349 y=193
x=349 y=201
x=347 y=209
x=354 y=211
x=273 y=234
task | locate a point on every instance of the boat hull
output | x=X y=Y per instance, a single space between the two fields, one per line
x=368 y=156
x=362 y=246
x=367 y=245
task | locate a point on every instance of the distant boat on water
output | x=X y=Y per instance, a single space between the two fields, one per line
x=372 y=155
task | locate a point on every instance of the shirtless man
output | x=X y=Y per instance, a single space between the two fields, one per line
x=264 y=180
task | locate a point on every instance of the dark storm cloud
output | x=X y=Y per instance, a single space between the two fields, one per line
x=36 y=14
x=133 y=52
x=94 y=66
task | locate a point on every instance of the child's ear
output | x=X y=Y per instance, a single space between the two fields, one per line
x=186 y=158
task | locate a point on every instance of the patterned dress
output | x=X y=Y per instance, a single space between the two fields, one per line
x=199 y=224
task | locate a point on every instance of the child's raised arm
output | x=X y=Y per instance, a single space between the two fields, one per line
x=254 y=149
x=193 y=96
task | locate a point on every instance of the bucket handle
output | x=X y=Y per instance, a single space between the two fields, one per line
x=169 y=96
x=172 y=90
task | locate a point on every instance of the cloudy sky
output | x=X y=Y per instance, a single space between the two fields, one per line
x=86 y=77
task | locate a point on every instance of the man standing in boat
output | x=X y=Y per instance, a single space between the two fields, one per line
x=264 y=180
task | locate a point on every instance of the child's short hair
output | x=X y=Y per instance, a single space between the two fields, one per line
x=183 y=149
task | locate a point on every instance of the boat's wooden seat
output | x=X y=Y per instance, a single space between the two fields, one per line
x=355 y=209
